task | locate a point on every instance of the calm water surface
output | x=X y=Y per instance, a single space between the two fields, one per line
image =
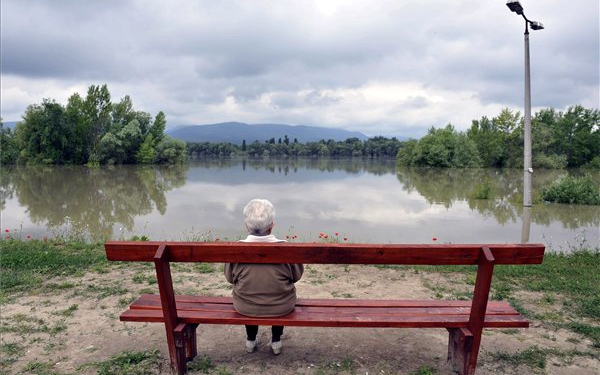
x=365 y=201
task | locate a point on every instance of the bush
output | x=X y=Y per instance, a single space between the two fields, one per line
x=552 y=161
x=483 y=190
x=573 y=190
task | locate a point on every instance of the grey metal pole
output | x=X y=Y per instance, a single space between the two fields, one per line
x=527 y=168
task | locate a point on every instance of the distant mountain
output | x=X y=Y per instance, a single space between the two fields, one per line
x=236 y=132
x=9 y=124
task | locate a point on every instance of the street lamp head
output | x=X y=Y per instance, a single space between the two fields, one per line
x=536 y=25
x=515 y=6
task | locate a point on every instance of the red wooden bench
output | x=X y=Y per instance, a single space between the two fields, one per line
x=464 y=320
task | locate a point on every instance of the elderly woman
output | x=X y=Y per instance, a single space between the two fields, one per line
x=263 y=290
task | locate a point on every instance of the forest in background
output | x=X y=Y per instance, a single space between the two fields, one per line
x=94 y=130
x=91 y=130
x=569 y=139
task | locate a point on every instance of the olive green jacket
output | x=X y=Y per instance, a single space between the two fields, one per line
x=263 y=290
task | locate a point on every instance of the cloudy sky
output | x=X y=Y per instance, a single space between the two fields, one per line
x=383 y=67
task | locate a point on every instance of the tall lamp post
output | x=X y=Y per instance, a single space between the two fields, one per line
x=515 y=6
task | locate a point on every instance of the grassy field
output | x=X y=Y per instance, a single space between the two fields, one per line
x=569 y=285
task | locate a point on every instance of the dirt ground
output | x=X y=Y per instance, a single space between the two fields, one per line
x=73 y=321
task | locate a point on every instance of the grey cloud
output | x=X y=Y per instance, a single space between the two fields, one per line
x=197 y=53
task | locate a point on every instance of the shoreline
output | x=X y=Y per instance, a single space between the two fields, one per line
x=61 y=302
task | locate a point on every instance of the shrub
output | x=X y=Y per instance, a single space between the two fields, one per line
x=483 y=190
x=573 y=190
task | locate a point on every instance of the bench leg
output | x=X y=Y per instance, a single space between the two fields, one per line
x=191 y=348
x=460 y=346
x=179 y=362
x=185 y=345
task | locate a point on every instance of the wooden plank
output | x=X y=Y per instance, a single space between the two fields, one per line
x=328 y=302
x=327 y=320
x=326 y=253
x=337 y=302
x=357 y=310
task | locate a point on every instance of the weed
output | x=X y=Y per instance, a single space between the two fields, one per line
x=203 y=364
x=68 y=312
x=130 y=363
x=424 y=370
x=222 y=370
x=40 y=368
x=536 y=357
x=204 y=267
x=483 y=190
x=9 y=353
x=345 y=365
x=126 y=301
x=589 y=331
x=103 y=291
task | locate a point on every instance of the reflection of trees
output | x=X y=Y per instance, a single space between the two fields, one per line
x=445 y=186
x=6 y=185
x=92 y=201
x=292 y=165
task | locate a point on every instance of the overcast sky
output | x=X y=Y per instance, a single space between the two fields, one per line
x=382 y=67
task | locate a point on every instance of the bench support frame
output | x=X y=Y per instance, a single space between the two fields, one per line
x=179 y=336
x=464 y=340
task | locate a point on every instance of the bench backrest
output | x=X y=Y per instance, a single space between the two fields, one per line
x=328 y=253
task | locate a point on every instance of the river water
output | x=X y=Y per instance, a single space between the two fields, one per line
x=356 y=200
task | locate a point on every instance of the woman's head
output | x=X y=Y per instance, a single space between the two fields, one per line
x=259 y=215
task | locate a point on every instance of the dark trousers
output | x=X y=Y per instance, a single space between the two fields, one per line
x=276 y=332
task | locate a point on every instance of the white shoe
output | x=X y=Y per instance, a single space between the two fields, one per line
x=276 y=347
x=251 y=346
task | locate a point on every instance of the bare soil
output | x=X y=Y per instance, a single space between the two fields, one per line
x=39 y=327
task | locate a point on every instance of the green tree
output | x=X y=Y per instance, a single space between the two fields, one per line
x=157 y=130
x=78 y=150
x=43 y=134
x=171 y=151
x=97 y=109
x=9 y=152
x=146 y=153
x=441 y=148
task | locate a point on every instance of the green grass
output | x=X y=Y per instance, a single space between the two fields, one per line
x=537 y=358
x=128 y=363
x=25 y=265
x=424 y=370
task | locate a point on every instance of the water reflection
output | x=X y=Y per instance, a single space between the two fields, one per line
x=449 y=186
x=90 y=201
x=365 y=200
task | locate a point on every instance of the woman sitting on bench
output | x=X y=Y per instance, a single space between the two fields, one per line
x=262 y=290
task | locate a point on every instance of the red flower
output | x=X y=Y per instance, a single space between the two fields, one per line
x=337 y=234
x=434 y=239
x=345 y=238
x=28 y=237
x=326 y=236
x=6 y=230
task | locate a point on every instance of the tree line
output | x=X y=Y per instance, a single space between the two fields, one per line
x=351 y=147
x=568 y=139
x=91 y=130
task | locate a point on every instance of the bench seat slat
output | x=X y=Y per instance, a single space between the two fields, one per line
x=152 y=302
x=328 y=320
x=148 y=298
x=327 y=313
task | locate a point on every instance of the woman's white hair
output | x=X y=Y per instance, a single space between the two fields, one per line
x=259 y=215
